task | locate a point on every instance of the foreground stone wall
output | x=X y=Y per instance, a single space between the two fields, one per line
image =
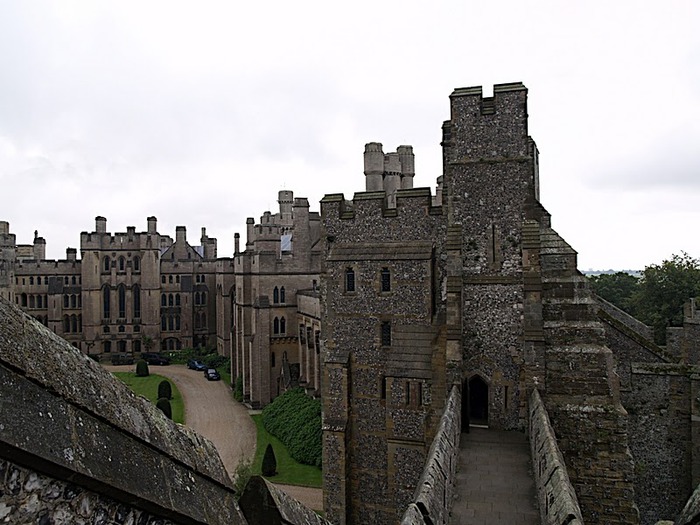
x=433 y=498
x=556 y=495
x=80 y=439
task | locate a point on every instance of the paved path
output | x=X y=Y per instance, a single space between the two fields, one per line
x=212 y=412
x=494 y=480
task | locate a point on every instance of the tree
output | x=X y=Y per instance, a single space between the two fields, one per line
x=269 y=462
x=663 y=291
x=617 y=288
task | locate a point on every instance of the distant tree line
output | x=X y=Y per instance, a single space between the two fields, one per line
x=658 y=296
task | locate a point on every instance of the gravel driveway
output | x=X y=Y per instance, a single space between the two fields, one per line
x=211 y=411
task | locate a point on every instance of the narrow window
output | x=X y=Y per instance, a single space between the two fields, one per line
x=72 y=280
x=276 y=326
x=39 y=301
x=282 y=299
x=74 y=324
x=163 y=300
x=386 y=333
x=136 y=346
x=107 y=347
x=137 y=264
x=66 y=324
x=121 y=295
x=163 y=323
x=73 y=301
x=38 y=280
x=170 y=300
x=177 y=299
x=105 y=263
x=408 y=393
x=177 y=322
x=31 y=280
x=136 y=294
x=170 y=279
x=105 y=302
x=283 y=326
x=272 y=360
x=276 y=295
x=162 y=279
x=171 y=323
x=177 y=279
x=386 y=280
x=349 y=280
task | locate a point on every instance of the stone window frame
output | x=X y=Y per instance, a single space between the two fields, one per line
x=385 y=280
x=385 y=330
x=350 y=279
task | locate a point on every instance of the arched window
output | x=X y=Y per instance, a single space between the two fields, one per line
x=105 y=302
x=177 y=322
x=39 y=301
x=136 y=295
x=177 y=299
x=163 y=323
x=197 y=298
x=177 y=279
x=73 y=301
x=66 y=301
x=121 y=293
x=65 y=280
x=31 y=301
x=31 y=280
x=282 y=295
x=170 y=279
x=283 y=326
x=170 y=299
x=203 y=298
x=105 y=263
x=38 y=280
x=349 y=280
x=80 y=301
x=24 y=299
x=74 y=323
x=122 y=264
x=171 y=323
x=107 y=347
x=162 y=279
x=66 y=324
x=137 y=264
x=276 y=326
x=72 y=280
x=163 y=300
x=276 y=295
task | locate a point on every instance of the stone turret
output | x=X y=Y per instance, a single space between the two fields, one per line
x=374 y=167
x=100 y=224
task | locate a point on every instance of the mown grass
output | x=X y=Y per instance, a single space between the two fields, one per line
x=148 y=387
x=288 y=471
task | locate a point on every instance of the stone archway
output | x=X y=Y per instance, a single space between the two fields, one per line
x=475 y=402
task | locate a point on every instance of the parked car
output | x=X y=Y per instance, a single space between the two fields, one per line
x=155 y=359
x=122 y=359
x=196 y=364
x=211 y=374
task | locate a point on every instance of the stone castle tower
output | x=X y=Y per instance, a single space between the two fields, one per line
x=470 y=287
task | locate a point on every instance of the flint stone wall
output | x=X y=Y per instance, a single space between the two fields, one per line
x=557 y=497
x=433 y=497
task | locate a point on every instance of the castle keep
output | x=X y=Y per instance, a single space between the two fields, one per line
x=470 y=287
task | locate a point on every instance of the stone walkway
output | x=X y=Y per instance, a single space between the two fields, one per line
x=494 y=480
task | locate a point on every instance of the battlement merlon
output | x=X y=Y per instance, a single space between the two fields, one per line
x=488 y=128
x=370 y=205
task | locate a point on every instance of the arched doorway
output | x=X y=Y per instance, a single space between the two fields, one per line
x=475 y=402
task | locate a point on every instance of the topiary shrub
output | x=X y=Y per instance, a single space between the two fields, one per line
x=269 y=462
x=165 y=390
x=164 y=405
x=295 y=419
x=141 y=368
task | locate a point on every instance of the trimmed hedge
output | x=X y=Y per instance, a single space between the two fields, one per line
x=295 y=419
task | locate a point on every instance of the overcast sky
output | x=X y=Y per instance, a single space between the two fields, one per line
x=200 y=112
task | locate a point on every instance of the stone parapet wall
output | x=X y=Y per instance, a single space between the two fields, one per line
x=556 y=495
x=433 y=497
x=66 y=418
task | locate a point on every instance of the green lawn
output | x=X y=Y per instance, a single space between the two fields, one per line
x=148 y=387
x=289 y=471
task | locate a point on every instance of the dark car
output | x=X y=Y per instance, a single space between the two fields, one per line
x=211 y=374
x=196 y=364
x=155 y=359
x=122 y=359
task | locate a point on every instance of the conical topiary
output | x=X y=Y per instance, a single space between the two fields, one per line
x=165 y=390
x=269 y=462
x=164 y=405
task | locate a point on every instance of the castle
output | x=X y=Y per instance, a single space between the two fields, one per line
x=408 y=311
